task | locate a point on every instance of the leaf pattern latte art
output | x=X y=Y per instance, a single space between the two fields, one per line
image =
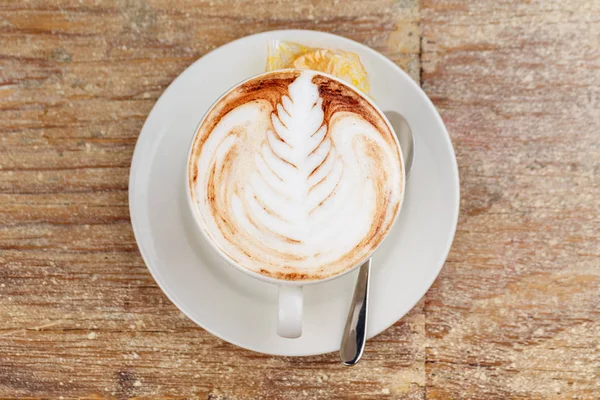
x=298 y=168
x=297 y=181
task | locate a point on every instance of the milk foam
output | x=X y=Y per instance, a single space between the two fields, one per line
x=285 y=193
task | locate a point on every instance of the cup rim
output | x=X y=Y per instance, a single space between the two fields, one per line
x=254 y=274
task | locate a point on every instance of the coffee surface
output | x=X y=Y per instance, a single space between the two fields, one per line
x=295 y=176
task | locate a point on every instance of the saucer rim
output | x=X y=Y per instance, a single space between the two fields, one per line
x=138 y=154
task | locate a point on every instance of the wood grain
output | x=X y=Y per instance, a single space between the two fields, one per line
x=515 y=312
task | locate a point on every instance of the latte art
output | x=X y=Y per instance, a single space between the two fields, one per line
x=295 y=176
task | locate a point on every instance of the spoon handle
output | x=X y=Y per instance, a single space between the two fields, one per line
x=355 y=332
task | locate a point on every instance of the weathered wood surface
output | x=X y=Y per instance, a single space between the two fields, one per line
x=515 y=312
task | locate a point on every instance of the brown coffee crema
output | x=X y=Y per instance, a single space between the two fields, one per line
x=295 y=176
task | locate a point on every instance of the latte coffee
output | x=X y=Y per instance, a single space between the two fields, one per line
x=295 y=175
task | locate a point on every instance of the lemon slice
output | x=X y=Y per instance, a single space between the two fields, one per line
x=341 y=64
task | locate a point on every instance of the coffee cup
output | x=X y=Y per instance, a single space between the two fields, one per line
x=294 y=177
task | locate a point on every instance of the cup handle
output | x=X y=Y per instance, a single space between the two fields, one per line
x=289 y=312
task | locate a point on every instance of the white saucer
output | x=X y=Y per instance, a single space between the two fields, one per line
x=238 y=308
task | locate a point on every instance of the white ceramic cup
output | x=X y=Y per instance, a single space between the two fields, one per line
x=290 y=296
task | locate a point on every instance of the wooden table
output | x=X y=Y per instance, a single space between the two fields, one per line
x=515 y=312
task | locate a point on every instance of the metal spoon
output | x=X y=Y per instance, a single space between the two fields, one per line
x=355 y=331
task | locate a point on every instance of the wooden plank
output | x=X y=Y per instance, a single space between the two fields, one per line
x=515 y=312
x=79 y=313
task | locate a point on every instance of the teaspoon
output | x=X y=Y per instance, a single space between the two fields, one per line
x=355 y=331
